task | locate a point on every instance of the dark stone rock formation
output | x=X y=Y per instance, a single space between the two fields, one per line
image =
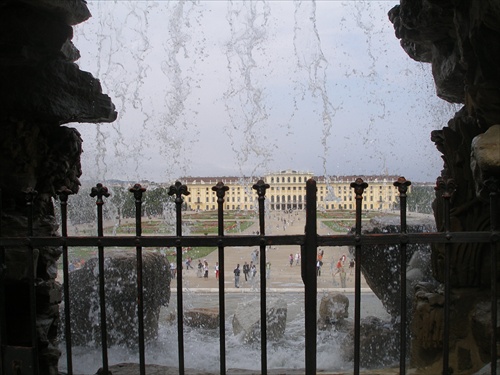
x=462 y=42
x=380 y=346
x=470 y=323
x=207 y=318
x=333 y=312
x=246 y=320
x=121 y=298
x=381 y=264
x=42 y=88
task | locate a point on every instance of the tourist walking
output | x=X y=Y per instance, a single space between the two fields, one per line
x=253 y=272
x=268 y=270
x=343 y=276
x=216 y=270
x=290 y=259
x=246 y=270
x=338 y=266
x=199 y=271
x=237 y=276
x=253 y=280
x=297 y=259
x=205 y=269
x=172 y=270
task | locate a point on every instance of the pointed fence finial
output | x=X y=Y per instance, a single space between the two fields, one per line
x=220 y=190
x=359 y=187
x=447 y=187
x=99 y=191
x=63 y=194
x=137 y=190
x=402 y=185
x=261 y=187
x=178 y=189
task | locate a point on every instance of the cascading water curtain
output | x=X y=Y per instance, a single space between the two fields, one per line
x=241 y=88
x=245 y=87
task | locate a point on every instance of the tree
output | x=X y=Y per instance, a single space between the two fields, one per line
x=420 y=198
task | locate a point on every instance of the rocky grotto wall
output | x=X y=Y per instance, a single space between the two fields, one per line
x=461 y=40
x=42 y=89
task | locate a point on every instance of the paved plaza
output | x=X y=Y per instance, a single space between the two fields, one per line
x=282 y=275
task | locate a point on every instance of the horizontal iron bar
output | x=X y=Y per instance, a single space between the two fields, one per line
x=409 y=238
x=233 y=241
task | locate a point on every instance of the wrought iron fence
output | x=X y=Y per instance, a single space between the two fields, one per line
x=308 y=242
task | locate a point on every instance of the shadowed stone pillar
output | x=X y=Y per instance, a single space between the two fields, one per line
x=461 y=41
x=42 y=88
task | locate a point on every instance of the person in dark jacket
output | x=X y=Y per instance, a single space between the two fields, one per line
x=237 y=276
x=246 y=270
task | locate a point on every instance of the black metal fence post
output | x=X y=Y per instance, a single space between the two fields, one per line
x=402 y=185
x=447 y=187
x=178 y=189
x=261 y=188
x=138 y=190
x=3 y=268
x=100 y=191
x=63 y=194
x=30 y=195
x=309 y=277
x=220 y=190
x=359 y=186
x=493 y=186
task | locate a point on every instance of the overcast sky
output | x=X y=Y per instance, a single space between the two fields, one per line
x=220 y=88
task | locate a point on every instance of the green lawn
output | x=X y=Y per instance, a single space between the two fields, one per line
x=341 y=226
x=77 y=254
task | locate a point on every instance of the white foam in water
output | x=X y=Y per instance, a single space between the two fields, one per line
x=201 y=346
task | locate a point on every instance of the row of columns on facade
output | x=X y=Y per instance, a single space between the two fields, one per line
x=445 y=186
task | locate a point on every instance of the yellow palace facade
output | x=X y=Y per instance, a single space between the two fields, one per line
x=287 y=192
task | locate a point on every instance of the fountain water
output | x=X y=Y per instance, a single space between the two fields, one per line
x=241 y=88
x=201 y=344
